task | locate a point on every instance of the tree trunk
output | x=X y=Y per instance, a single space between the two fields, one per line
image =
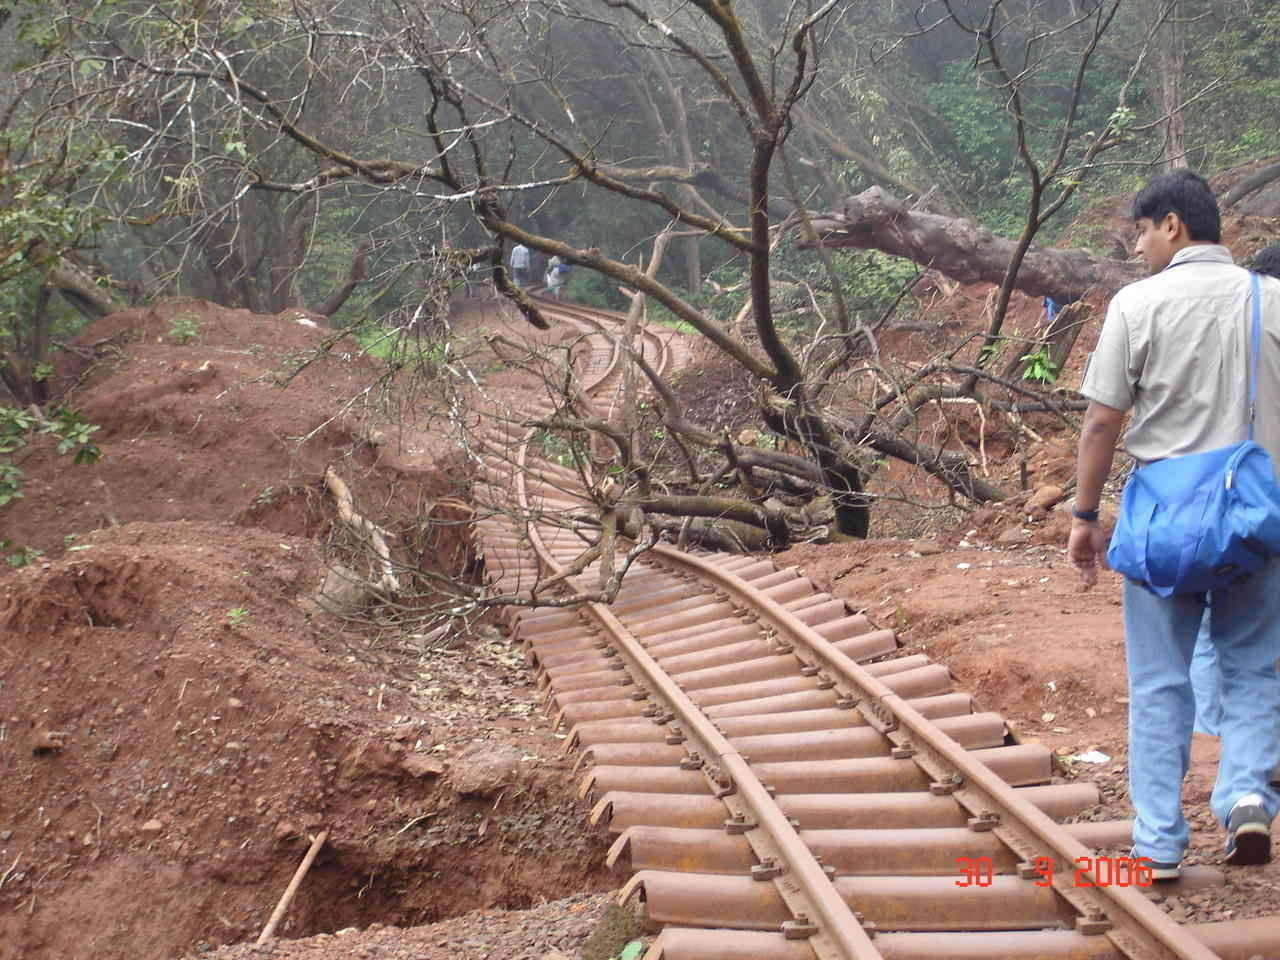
x=355 y=276
x=965 y=251
x=1171 y=65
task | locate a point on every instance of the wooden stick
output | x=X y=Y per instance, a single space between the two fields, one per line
x=269 y=930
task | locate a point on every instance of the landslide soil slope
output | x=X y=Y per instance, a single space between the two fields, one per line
x=177 y=717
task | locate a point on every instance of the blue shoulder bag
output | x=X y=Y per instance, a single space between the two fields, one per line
x=1203 y=521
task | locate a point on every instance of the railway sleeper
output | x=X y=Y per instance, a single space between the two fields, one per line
x=741 y=645
x=832 y=623
x=620 y=809
x=1230 y=940
x=1018 y=765
x=897 y=851
x=972 y=731
x=632 y=731
x=912 y=903
x=733 y=662
x=921 y=682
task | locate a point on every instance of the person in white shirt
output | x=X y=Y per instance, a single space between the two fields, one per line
x=520 y=262
x=1174 y=349
x=557 y=276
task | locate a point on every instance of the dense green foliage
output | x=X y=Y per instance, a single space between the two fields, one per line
x=919 y=104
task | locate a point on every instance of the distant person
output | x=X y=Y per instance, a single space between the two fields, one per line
x=1174 y=349
x=520 y=263
x=557 y=276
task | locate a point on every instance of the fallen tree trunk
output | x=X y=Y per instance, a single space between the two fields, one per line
x=1250 y=184
x=966 y=251
x=81 y=291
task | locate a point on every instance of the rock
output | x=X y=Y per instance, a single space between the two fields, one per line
x=370 y=758
x=1054 y=463
x=285 y=830
x=1044 y=499
x=485 y=768
x=984 y=517
x=422 y=765
x=927 y=548
x=1014 y=535
x=44 y=742
x=152 y=826
x=404 y=731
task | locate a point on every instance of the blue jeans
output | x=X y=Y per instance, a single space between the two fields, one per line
x=1160 y=637
x=1206 y=681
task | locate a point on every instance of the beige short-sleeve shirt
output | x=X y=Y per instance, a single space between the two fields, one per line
x=1174 y=348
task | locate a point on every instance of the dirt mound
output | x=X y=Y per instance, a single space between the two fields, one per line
x=208 y=414
x=178 y=718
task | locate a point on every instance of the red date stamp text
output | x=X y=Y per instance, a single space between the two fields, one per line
x=1086 y=872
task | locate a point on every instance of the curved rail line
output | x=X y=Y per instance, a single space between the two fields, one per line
x=783 y=781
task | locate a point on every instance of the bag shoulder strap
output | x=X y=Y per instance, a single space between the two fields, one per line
x=1255 y=346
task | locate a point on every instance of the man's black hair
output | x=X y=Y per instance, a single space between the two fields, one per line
x=1267 y=260
x=1188 y=195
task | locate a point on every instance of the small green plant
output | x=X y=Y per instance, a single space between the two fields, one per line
x=184 y=328
x=1040 y=367
x=237 y=616
x=10 y=483
x=16 y=429
x=20 y=556
x=73 y=433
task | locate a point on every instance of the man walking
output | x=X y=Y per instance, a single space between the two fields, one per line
x=520 y=265
x=1174 y=349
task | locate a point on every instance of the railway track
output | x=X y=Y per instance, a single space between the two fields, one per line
x=784 y=782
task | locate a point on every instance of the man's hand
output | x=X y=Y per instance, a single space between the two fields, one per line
x=1086 y=548
x=1087 y=545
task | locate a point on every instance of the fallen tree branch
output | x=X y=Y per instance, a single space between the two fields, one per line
x=376 y=536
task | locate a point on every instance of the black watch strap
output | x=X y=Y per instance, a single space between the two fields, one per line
x=1089 y=516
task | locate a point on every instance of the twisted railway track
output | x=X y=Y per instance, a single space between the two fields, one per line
x=784 y=782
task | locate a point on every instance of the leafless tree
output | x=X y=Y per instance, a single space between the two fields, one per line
x=444 y=117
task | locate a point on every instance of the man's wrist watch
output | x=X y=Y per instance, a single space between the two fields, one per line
x=1088 y=516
